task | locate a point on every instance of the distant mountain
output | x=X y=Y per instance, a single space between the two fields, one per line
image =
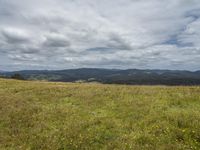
x=113 y=76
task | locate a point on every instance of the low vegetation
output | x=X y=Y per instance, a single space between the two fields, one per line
x=58 y=116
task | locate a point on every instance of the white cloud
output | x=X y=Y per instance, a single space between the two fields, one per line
x=191 y=35
x=91 y=33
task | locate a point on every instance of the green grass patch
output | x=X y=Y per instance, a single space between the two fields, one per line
x=67 y=116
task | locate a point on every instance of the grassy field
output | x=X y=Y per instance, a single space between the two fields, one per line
x=59 y=116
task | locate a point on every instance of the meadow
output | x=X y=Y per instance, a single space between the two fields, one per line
x=91 y=116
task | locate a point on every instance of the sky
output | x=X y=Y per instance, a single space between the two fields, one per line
x=63 y=34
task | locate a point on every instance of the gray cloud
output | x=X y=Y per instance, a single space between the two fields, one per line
x=13 y=36
x=56 y=40
x=91 y=33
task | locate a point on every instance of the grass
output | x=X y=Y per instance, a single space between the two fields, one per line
x=67 y=116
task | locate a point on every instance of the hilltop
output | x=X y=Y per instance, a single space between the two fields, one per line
x=113 y=76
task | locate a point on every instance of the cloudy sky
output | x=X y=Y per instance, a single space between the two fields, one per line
x=62 y=34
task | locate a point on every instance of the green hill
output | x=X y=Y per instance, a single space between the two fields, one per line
x=111 y=76
x=57 y=116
